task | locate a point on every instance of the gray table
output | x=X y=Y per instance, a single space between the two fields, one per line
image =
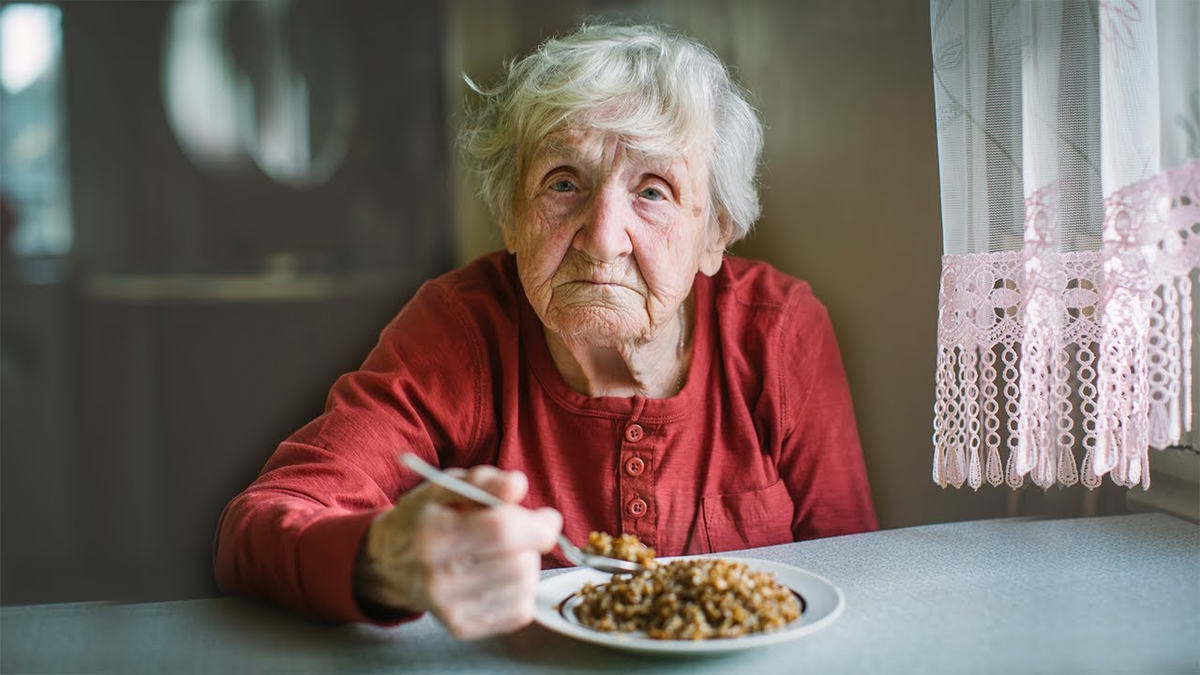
x=1101 y=595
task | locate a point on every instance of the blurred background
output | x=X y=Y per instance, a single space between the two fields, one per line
x=210 y=209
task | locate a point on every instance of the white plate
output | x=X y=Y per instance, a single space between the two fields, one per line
x=821 y=603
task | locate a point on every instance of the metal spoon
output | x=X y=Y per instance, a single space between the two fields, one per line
x=467 y=491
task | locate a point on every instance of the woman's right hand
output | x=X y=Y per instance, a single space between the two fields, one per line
x=476 y=568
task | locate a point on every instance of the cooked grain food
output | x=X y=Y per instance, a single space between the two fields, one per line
x=624 y=547
x=683 y=599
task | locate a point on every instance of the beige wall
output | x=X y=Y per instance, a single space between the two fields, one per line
x=850 y=192
x=851 y=204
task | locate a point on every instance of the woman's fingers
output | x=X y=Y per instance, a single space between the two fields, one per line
x=552 y=523
x=482 y=565
x=446 y=535
x=476 y=568
x=489 y=532
x=484 y=596
x=508 y=486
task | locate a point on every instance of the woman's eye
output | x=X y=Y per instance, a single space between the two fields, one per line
x=562 y=185
x=653 y=194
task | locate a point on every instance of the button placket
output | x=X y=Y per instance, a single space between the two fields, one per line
x=636 y=482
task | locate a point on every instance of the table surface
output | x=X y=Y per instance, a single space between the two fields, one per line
x=1099 y=595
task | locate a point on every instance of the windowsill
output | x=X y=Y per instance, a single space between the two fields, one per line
x=1174 y=485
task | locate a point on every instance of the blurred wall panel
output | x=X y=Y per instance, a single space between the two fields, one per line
x=143 y=205
x=207 y=310
x=189 y=392
x=41 y=480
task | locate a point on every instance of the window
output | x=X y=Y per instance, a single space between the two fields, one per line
x=33 y=171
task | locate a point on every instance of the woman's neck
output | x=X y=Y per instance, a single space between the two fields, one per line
x=656 y=368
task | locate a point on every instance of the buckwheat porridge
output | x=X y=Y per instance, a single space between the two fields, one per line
x=683 y=599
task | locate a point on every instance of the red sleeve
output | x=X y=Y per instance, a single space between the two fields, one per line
x=292 y=537
x=821 y=459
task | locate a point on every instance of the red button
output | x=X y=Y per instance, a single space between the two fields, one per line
x=634 y=466
x=634 y=433
x=636 y=508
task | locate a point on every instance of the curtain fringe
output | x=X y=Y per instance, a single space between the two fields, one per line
x=1044 y=353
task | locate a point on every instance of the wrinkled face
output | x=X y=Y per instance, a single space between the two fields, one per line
x=608 y=240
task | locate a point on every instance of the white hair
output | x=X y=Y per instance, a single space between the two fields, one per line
x=659 y=91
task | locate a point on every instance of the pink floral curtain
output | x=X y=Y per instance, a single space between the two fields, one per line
x=1068 y=142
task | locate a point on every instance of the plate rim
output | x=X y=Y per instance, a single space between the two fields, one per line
x=548 y=616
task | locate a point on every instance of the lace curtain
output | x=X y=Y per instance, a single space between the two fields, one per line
x=1068 y=138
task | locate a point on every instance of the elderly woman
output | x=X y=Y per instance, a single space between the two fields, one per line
x=611 y=366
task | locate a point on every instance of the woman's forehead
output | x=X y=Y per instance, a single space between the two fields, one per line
x=596 y=146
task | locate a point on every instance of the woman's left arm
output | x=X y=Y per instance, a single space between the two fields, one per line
x=821 y=460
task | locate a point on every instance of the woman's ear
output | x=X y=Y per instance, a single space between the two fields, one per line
x=719 y=232
x=509 y=240
x=508 y=228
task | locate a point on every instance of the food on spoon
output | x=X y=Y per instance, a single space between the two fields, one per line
x=624 y=547
x=696 y=599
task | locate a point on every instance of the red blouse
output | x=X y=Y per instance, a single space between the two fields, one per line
x=758 y=448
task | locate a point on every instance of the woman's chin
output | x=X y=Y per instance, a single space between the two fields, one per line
x=598 y=327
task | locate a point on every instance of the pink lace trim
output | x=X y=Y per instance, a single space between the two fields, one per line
x=1043 y=353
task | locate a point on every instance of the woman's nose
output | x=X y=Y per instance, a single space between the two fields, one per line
x=603 y=235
